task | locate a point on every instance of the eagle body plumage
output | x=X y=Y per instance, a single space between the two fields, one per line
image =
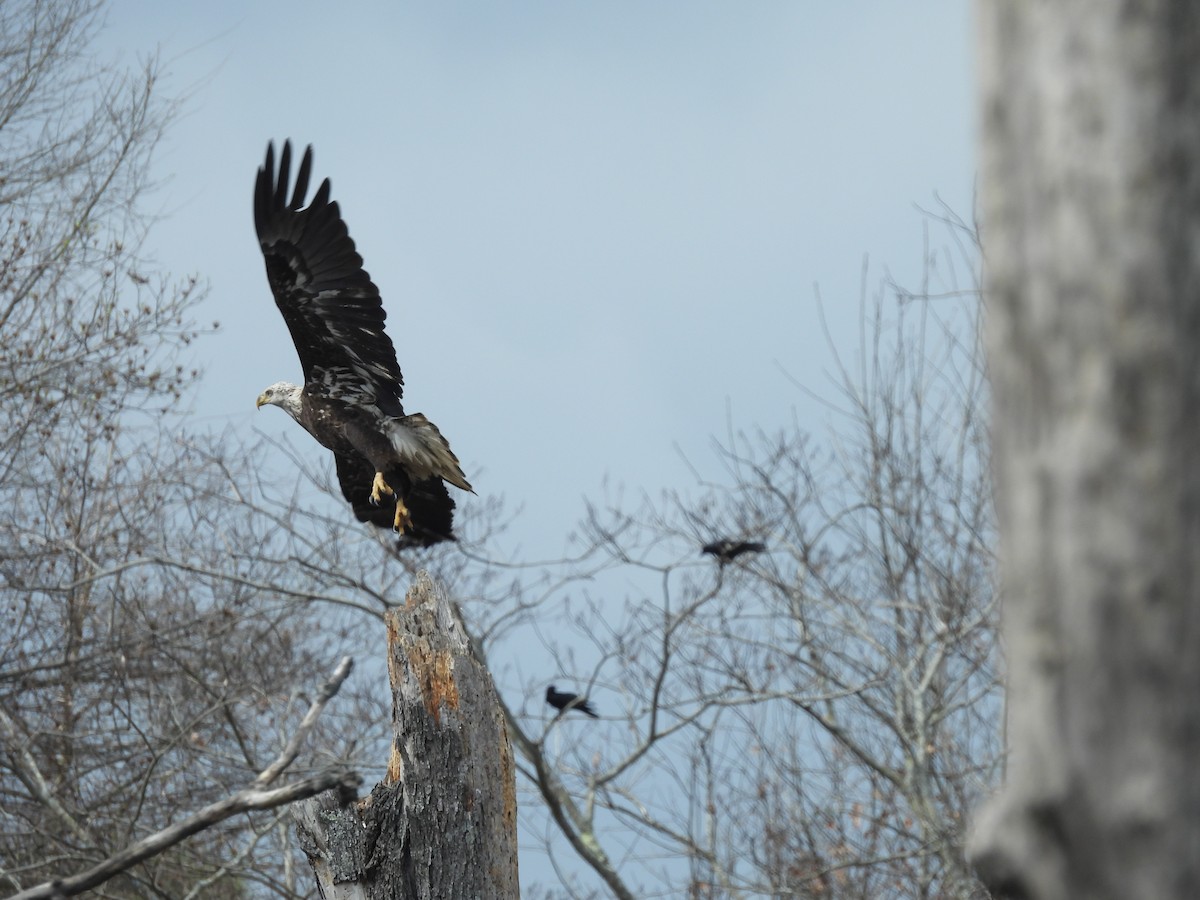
x=392 y=467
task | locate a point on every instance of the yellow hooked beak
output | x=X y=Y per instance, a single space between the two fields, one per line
x=262 y=398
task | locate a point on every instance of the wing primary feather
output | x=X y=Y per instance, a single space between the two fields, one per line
x=285 y=166
x=302 y=179
x=262 y=190
x=322 y=197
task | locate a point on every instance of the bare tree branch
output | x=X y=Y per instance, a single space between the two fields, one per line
x=255 y=797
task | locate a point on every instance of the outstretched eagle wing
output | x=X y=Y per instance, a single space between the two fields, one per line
x=331 y=306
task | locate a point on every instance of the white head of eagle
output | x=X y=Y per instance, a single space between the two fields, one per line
x=392 y=467
x=284 y=395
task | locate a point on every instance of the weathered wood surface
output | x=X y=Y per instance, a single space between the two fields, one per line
x=442 y=824
x=1090 y=202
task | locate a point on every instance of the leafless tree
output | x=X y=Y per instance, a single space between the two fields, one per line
x=816 y=719
x=263 y=793
x=133 y=691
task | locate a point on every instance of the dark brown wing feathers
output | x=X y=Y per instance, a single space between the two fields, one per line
x=332 y=308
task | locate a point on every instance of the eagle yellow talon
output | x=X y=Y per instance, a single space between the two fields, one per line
x=403 y=519
x=379 y=488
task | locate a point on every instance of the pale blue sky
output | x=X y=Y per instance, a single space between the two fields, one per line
x=594 y=225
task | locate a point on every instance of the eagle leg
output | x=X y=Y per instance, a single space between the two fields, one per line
x=379 y=487
x=403 y=519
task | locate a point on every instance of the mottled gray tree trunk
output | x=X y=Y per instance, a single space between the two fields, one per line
x=1091 y=235
x=443 y=823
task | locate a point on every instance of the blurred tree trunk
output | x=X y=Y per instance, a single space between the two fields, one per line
x=1090 y=112
x=443 y=823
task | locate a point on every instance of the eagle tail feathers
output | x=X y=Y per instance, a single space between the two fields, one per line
x=426 y=453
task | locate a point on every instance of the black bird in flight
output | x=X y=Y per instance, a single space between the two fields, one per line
x=565 y=700
x=727 y=550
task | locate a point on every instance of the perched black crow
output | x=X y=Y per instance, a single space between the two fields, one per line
x=726 y=550
x=565 y=700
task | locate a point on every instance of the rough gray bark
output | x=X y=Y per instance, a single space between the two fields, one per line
x=443 y=823
x=1091 y=217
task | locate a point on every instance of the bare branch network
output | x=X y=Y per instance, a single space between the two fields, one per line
x=815 y=718
x=259 y=795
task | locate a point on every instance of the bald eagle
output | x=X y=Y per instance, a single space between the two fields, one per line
x=392 y=468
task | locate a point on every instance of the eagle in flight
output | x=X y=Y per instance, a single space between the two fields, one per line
x=392 y=468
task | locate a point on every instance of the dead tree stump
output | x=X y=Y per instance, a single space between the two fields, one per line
x=443 y=822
